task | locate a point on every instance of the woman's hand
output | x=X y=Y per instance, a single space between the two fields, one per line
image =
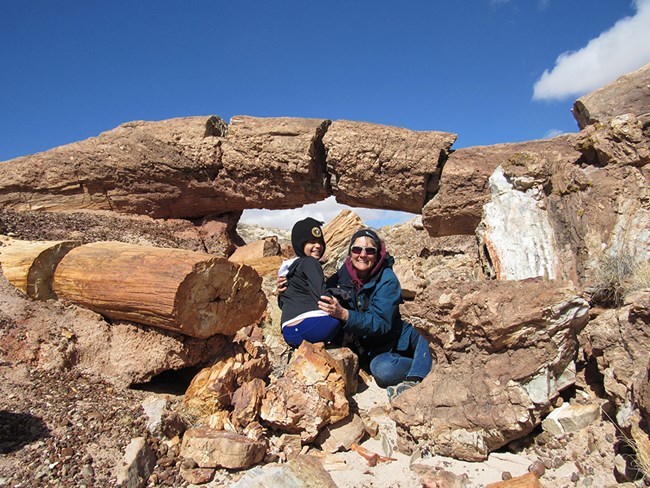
x=281 y=284
x=333 y=308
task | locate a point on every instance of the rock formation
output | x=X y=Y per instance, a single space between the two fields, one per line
x=503 y=350
x=500 y=271
x=194 y=167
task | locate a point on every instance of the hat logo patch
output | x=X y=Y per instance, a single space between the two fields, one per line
x=316 y=232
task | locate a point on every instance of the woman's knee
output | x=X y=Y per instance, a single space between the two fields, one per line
x=389 y=368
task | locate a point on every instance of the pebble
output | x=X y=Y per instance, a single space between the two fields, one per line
x=87 y=471
x=538 y=468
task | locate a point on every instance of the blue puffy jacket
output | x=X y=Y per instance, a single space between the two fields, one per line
x=374 y=317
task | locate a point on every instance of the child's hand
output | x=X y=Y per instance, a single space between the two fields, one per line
x=333 y=308
x=281 y=284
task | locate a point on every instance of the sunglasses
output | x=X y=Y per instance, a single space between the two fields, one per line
x=370 y=251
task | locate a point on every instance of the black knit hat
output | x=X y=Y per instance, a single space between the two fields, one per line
x=306 y=230
x=365 y=233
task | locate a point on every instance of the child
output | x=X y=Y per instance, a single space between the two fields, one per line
x=302 y=320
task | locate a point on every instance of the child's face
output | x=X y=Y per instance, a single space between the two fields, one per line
x=313 y=249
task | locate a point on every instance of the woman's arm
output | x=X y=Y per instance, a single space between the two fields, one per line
x=383 y=306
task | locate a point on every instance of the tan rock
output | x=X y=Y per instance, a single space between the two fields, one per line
x=621 y=140
x=337 y=239
x=246 y=401
x=372 y=163
x=262 y=255
x=411 y=283
x=197 y=476
x=162 y=169
x=349 y=364
x=266 y=267
x=211 y=448
x=309 y=396
x=529 y=480
x=212 y=389
x=627 y=94
x=262 y=248
x=502 y=352
x=340 y=435
x=302 y=471
x=440 y=478
x=188 y=292
x=458 y=207
x=272 y=163
x=215 y=234
x=618 y=340
x=30 y=265
x=571 y=418
x=290 y=445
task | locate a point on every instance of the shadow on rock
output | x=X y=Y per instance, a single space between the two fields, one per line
x=20 y=429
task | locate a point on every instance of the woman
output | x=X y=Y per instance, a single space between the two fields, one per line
x=397 y=356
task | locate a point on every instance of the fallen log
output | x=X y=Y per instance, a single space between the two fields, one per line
x=30 y=265
x=189 y=292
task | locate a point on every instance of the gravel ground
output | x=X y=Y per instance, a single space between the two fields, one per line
x=65 y=429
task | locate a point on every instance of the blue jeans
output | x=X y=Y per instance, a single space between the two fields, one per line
x=391 y=368
x=312 y=329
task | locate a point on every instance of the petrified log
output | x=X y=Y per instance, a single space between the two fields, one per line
x=30 y=265
x=189 y=292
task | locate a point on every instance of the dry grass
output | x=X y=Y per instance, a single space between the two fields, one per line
x=640 y=444
x=618 y=275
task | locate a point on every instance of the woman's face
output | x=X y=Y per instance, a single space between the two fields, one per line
x=362 y=261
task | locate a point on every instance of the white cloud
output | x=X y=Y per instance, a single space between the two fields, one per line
x=623 y=48
x=324 y=211
x=552 y=133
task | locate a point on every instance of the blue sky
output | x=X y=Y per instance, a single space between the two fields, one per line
x=490 y=70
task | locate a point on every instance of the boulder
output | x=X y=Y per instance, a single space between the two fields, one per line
x=136 y=466
x=303 y=471
x=54 y=336
x=395 y=168
x=262 y=248
x=458 y=207
x=211 y=448
x=215 y=234
x=621 y=140
x=246 y=401
x=571 y=418
x=559 y=220
x=338 y=233
x=309 y=396
x=341 y=435
x=272 y=163
x=628 y=94
x=618 y=340
x=212 y=390
x=162 y=169
x=503 y=350
x=348 y=362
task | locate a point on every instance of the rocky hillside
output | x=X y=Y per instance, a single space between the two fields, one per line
x=527 y=271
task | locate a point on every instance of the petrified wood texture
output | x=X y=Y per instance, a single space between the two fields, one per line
x=188 y=292
x=30 y=265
